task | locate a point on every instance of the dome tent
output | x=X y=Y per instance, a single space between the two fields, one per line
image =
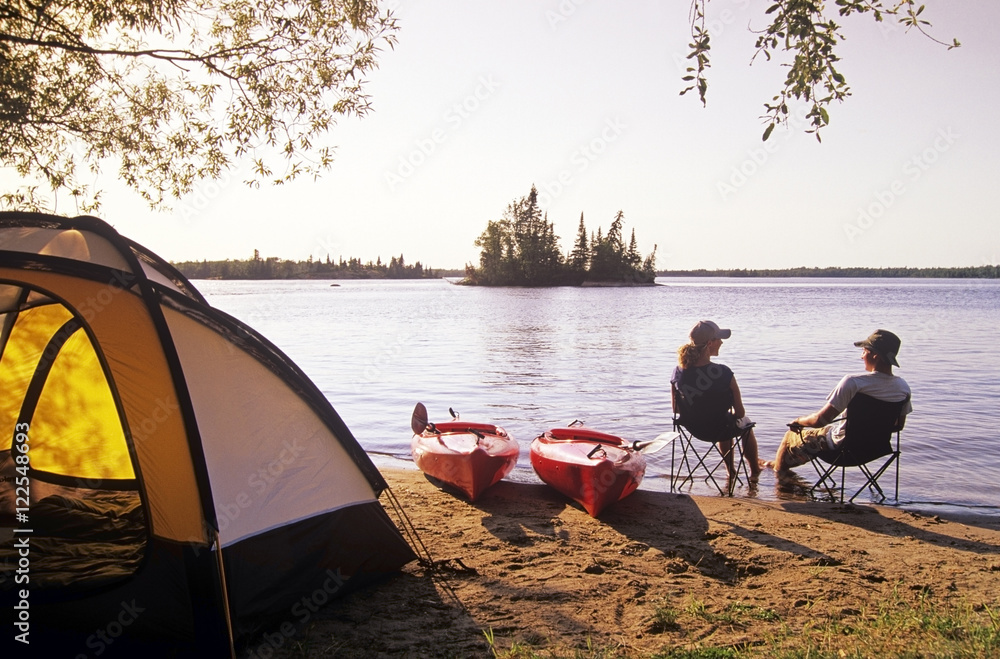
x=175 y=475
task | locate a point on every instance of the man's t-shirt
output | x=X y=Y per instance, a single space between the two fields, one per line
x=890 y=388
x=882 y=386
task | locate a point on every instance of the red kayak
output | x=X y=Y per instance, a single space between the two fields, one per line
x=590 y=467
x=469 y=457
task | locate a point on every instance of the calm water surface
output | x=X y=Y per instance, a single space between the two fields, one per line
x=532 y=359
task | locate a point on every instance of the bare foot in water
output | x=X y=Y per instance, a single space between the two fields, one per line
x=786 y=475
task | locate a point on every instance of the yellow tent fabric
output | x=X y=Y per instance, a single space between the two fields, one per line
x=28 y=338
x=77 y=431
x=138 y=365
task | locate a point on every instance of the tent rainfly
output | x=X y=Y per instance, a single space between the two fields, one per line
x=166 y=473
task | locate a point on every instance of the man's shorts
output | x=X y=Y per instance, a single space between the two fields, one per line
x=804 y=445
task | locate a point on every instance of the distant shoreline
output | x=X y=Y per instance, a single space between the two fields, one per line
x=971 y=272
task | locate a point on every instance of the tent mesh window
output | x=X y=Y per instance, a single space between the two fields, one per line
x=76 y=488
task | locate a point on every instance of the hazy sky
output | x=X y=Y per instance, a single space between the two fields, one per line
x=480 y=100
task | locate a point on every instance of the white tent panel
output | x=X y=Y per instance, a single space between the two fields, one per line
x=65 y=243
x=270 y=459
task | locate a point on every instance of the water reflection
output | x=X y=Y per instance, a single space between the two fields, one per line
x=532 y=359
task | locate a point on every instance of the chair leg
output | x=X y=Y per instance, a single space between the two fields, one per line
x=871 y=481
x=828 y=481
x=729 y=480
x=710 y=472
x=738 y=463
x=673 y=453
x=691 y=461
x=683 y=463
x=871 y=477
x=895 y=494
x=683 y=468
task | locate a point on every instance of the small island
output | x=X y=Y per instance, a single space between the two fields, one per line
x=521 y=249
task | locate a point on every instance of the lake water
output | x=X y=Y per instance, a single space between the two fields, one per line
x=532 y=359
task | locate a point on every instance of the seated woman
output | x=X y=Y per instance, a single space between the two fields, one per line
x=697 y=379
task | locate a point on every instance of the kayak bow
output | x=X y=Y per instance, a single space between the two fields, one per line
x=469 y=457
x=592 y=468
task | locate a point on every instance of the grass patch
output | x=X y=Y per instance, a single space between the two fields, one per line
x=664 y=618
x=896 y=628
x=738 y=613
x=735 y=613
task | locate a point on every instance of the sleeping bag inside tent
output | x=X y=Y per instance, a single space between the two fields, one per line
x=161 y=463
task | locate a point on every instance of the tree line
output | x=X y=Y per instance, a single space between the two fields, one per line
x=521 y=249
x=275 y=268
x=970 y=272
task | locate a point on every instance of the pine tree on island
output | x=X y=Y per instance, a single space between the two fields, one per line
x=521 y=249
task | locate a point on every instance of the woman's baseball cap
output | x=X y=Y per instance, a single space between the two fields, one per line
x=706 y=330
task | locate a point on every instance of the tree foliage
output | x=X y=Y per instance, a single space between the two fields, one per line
x=521 y=249
x=804 y=30
x=579 y=257
x=611 y=261
x=175 y=90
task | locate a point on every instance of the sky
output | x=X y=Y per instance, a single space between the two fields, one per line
x=481 y=100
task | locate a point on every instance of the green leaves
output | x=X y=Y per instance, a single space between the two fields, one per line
x=178 y=90
x=700 y=45
x=800 y=31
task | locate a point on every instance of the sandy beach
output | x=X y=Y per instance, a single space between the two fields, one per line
x=656 y=571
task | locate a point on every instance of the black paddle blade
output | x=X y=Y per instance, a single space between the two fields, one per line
x=453 y=413
x=418 y=422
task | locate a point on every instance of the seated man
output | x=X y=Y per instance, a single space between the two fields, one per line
x=809 y=435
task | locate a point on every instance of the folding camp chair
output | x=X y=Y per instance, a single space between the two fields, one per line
x=705 y=419
x=870 y=425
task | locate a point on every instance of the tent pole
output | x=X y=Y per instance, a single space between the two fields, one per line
x=225 y=594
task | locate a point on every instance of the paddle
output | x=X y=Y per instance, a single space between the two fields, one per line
x=654 y=445
x=418 y=422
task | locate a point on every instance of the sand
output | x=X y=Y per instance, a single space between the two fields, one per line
x=656 y=570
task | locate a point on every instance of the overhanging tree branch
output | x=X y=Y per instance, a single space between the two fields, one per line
x=145 y=82
x=172 y=56
x=801 y=29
